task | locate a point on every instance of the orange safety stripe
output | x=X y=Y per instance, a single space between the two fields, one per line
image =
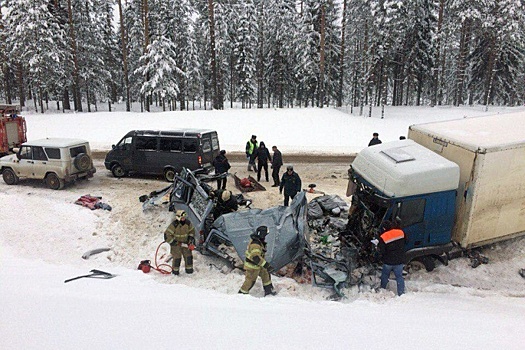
x=392 y=235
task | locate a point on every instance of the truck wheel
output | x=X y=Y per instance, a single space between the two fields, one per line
x=53 y=182
x=118 y=171
x=169 y=174
x=82 y=162
x=10 y=177
x=425 y=262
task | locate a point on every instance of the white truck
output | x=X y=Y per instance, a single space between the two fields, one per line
x=459 y=182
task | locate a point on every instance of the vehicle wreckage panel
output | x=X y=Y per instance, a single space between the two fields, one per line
x=286 y=226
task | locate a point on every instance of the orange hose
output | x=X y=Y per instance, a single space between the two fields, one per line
x=161 y=268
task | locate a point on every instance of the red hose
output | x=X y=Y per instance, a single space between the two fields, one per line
x=162 y=267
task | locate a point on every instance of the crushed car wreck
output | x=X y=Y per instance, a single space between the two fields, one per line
x=291 y=242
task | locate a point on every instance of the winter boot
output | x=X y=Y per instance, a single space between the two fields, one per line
x=176 y=273
x=268 y=290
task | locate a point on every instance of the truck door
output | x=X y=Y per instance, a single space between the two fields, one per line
x=410 y=213
x=25 y=168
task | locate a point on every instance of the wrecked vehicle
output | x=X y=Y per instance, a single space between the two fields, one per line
x=403 y=182
x=448 y=188
x=289 y=243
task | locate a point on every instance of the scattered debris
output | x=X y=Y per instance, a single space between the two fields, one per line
x=156 y=198
x=94 y=274
x=522 y=273
x=476 y=258
x=87 y=254
x=92 y=202
x=311 y=189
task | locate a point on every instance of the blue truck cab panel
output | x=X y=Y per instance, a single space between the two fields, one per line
x=404 y=182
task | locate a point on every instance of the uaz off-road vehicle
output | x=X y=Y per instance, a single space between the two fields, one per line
x=57 y=161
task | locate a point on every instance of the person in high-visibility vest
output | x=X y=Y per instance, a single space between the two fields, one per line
x=391 y=247
x=255 y=264
x=251 y=146
x=180 y=234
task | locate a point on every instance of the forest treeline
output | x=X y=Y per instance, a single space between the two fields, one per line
x=184 y=54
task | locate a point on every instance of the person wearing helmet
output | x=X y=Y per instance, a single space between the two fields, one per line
x=291 y=183
x=180 y=235
x=225 y=203
x=255 y=264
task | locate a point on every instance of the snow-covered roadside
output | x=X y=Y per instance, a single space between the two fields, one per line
x=134 y=311
x=43 y=235
x=301 y=130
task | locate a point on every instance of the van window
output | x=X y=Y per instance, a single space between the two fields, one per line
x=75 y=151
x=53 y=153
x=206 y=145
x=39 y=154
x=189 y=146
x=171 y=145
x=410 y=212
x=214 y=142
x=125 y=143
x=146 y=143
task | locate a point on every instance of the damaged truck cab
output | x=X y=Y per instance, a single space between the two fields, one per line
x=409 y=184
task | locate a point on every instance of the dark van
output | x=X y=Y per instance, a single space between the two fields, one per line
x=163 y=152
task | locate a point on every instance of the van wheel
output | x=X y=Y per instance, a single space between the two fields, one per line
x=118 y=171
x=169 y=174
x=82 y=162
x=53 y=182
x=425 y=262
x=10 y=177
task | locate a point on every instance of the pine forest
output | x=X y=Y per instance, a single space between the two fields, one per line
x=215 y=54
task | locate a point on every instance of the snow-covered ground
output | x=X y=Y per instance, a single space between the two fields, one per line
x=43 y=236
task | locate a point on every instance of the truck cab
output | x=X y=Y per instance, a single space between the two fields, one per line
x=404 y=182
x=12 y=128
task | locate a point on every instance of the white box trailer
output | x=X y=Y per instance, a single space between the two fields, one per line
x=490 y=152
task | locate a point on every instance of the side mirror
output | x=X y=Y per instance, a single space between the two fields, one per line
x=112 y=146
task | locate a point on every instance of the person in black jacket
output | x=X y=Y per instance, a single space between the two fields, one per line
x=391 y=247
x=222 y=166
x=375 y=140
x=291 y=182
x=277 y=162
x=263 y=156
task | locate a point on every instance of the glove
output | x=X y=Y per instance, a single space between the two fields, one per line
x=191 y=246
x=375 y=242
x=268 y=267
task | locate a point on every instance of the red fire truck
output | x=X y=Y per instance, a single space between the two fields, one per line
x=12 y=128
